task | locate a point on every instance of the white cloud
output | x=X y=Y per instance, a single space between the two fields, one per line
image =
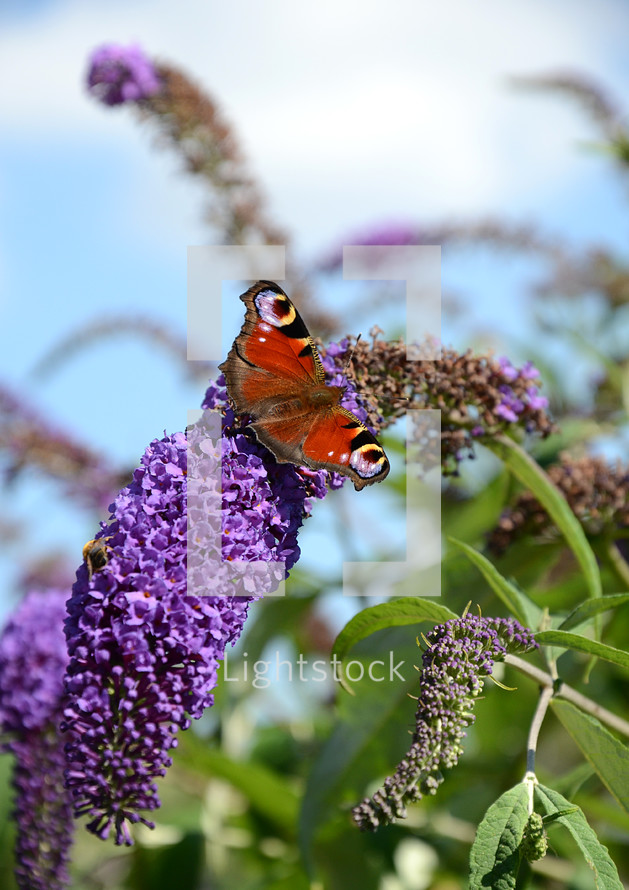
x=348 y=110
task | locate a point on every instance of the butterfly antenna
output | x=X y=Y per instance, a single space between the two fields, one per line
x=350 y=357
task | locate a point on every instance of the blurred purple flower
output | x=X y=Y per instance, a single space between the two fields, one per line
x=509 y=371
x=28 y=440
x=119 y=74
x=510 y=406
x=503 y=410
x=146 y=632
x=32 y=662
x=460 y=653
x=536 y=401
x=386 y=234
x=529 y=371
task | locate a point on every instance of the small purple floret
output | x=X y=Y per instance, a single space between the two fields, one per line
x=535 y=401
x=509 y=372
x=119 y=74
x=529 y=371
x=511 y=407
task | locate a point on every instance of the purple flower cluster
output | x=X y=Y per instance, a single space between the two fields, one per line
x=511 y=406
x=259 y=493
x=119 y=74
x=477 y=395
x=147 y=629
x=32 y=663
x=460 y=653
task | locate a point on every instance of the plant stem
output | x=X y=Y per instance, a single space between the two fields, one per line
x=570 y=694
x=546 y=694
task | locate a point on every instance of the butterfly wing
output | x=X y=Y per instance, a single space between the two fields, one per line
x=274 y=356
x=350 y=447
x=274 y=373
x=333 y=440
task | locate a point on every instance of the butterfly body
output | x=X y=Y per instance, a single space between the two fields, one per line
x=274 y=374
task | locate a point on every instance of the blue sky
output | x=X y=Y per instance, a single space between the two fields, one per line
x=348 y=114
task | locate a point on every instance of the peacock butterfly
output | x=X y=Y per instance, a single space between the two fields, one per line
x=274 y=374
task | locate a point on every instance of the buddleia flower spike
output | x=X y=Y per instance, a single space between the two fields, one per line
x=460 y=653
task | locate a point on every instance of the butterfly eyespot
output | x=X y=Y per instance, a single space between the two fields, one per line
x=276 y=309
x=274 y=375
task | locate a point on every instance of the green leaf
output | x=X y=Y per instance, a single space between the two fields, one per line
x=407 y=610
x=604 y=809
x=531 y=562
x=275 y=616
x=471 y=519
x=608 y=756
x=295 y=880
x=589 y=608
x=583 y=644
x=178 y=865
x=495 y=854
x=347 y=859
x=519 y=605
x=550 y=497
x=370 y=737
x=7 y=825
x=570 y=782
x=267 y=792
x=594 y=853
